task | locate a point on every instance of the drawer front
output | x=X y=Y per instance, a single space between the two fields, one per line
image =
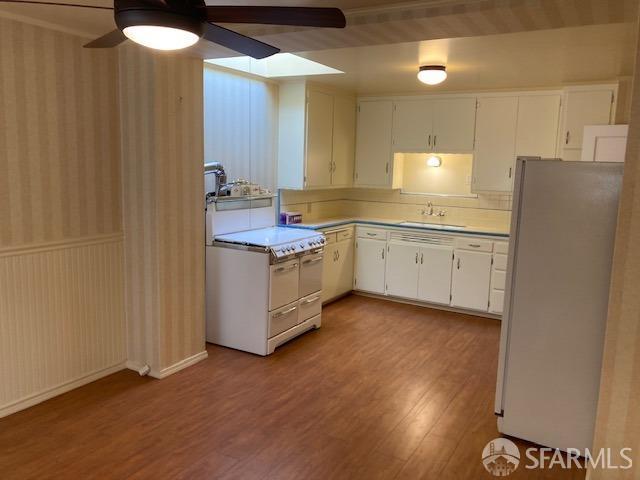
x=373 y=233
x=329 y=238
x=310 y=274
x=476 y=244
x=498 y=279
x=284 y=283
x=283 y=319
x=309 y=306
x=501 y=247
x=345 y=234
x=500 y=262
x=496 y=301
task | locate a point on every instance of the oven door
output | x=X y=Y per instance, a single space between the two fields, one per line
x=310 y=273
x=284 y=283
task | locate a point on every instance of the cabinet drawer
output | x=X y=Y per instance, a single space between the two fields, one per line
x=498 y=278
x=284 y=279
x=501 y=247
x=283 y=319
x=330 y=238
x=345 y=234
x=309 y=306
x=475 y=244
x=500 y=262
x=374 y=233
x=496 y=301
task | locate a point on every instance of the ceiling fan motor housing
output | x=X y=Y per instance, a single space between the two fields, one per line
x=129 y=13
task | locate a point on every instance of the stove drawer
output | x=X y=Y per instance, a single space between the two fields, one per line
x=310 y=274
x=309 y=306
x=283 y=319
x=284 y=279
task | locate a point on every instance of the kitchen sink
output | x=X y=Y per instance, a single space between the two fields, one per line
x=435 y=226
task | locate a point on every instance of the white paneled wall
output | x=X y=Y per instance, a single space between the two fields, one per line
x=238 y=108
x=61 y=318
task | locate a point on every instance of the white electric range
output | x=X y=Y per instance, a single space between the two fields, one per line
x=263 y=286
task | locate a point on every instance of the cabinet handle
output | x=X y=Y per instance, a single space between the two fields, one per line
x=421 y=258
x=386 y=168
x=510 y=168
x=331 y=166
x=429 y=141
x=383 y=253
x=458 y=263
x=371 y=234
x=286 y=269
x=286 y=312
x=568 y=136
x=337 y=255
x=475 y=245
x=416 y=257
x=315 y=260
x=435 y=140
x=311 y=300
x=334 y=166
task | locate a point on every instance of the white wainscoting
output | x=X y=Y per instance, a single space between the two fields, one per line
x=62 y=320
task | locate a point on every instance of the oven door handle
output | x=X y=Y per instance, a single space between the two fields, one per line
x=310 y=261
x=311 y=300
x=286 y=312
x=286 y=269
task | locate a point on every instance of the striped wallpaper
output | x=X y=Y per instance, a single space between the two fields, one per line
x=618 y=420
x=162 y=152
x=61 y=281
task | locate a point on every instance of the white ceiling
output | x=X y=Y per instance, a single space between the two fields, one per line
x=544 y=58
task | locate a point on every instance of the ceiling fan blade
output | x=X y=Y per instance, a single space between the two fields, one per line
x=237 y=42
x=57 y=4
x=299 y=16
x=111 y=39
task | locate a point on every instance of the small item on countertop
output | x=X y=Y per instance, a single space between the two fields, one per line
x=290 y=218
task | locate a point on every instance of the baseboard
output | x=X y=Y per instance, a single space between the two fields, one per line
x=40 y=397
x=181 y=365
x=429 y=305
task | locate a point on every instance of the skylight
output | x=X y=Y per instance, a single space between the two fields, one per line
x=275 y=66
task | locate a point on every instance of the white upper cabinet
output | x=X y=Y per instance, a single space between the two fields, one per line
x=445 y=125
x=316 y=137
x=373 y=144
x=454 y=125
x=537 y=130
x=494 y=157
x=584 y=107
x=412 y=125
x=319 y=139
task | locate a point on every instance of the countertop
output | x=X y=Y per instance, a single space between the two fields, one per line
x=385 y=222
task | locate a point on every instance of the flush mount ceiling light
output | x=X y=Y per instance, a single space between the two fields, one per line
x=158 y=29
x=432 y=74
x=434 y=161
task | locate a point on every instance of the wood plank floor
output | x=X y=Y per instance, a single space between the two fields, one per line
x=382 y=390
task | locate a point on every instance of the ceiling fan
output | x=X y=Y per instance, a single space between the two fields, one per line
x=176 y=24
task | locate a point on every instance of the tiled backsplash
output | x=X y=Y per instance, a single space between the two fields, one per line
x=486 y=209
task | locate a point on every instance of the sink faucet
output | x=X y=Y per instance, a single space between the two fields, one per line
x=429 y=211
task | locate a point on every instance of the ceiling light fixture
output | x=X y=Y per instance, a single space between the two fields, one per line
x=159 y=30
x=432 y=74
x=434 y=161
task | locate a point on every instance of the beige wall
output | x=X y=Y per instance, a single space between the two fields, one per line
x=452 y=177
x=61 y=297
x=618 y=420
x=162 y=138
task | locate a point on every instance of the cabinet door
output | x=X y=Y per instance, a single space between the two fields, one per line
x=373 y=143
x=344 y=140
x=401 y=275
x=330 y=273
x=412 y=126
x=454 y=125
x=585 y=108
x=370 y=263
x=344 y=282
x=538 y=120
x=434 y=279
x=470 y=280
x=319 y=139
x=495 y=144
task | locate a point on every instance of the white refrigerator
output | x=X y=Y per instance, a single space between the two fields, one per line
x=559 y=269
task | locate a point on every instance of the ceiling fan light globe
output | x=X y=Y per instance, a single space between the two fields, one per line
x=160 y=38
x=432 y=74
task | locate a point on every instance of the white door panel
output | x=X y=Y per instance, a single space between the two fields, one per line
x=538 y=120
x=401 y=276
x=319 y=139
x=412 y=126
x=470 y=280
x=434 y=281
x=373 y=143
x=585 y=108
x=344 y=146
x=454 y=124
x=370 y=265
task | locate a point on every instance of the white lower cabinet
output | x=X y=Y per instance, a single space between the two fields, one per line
x=471 y=280
x=401 y=274
x=434 y=279
x=337 y=273
x=370 y=265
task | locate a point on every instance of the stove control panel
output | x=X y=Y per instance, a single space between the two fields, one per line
x=296 y=248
